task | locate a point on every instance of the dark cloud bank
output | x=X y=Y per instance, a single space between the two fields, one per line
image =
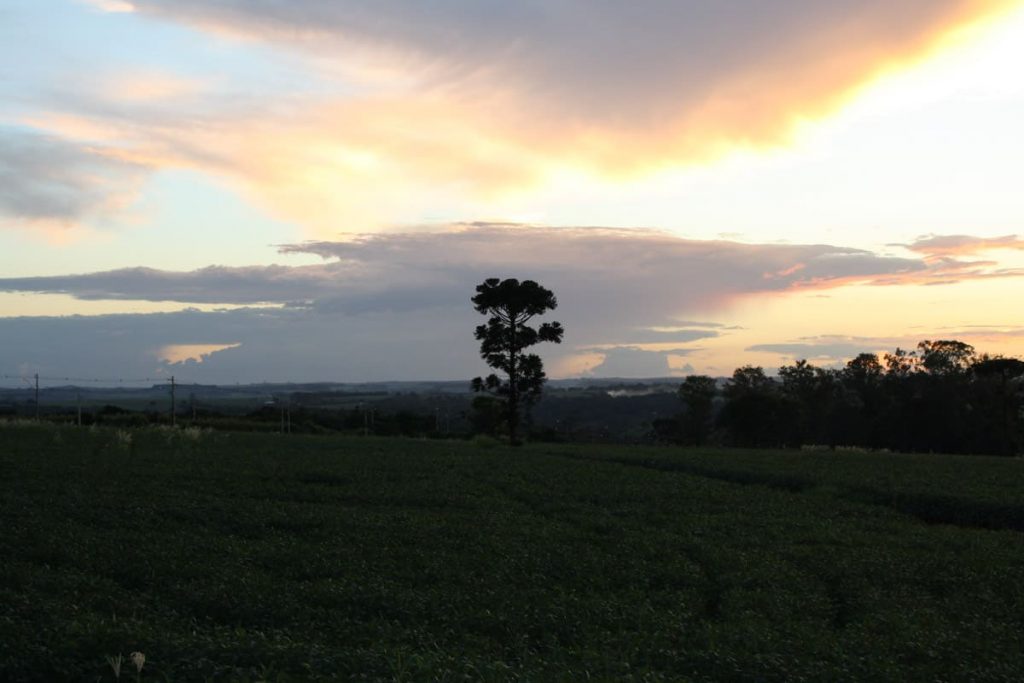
x=396 y=306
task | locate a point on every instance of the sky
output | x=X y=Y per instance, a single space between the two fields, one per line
x=259 y=190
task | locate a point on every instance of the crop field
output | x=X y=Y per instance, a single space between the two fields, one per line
x=288 y=558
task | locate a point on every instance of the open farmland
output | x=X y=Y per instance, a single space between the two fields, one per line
x=268 y=557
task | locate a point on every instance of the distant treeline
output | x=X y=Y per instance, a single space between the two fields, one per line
x=293 y=419
x=602 y=412
x=941 y=397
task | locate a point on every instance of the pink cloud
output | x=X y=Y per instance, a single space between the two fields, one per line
x=946 y=246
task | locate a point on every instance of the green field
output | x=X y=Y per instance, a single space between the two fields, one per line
x=268 y=557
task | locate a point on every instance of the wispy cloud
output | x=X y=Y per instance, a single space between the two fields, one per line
x=154 y=87
x=837 y=348
x=832 y=348
x=686 y=73
x=213 y=284
x=688 y=324
x=116 y=6
x=655 y=275
x=56 y=182
x=945 y=246
x=647 y=278
x=399 y=103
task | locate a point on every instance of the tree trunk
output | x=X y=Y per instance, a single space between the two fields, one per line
x=513 y=388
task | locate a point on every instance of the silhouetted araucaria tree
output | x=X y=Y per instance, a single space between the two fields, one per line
x=503 y=340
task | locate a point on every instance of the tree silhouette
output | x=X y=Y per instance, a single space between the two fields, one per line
x=809 y=396
x=511 y=304
x=1002 y=377
x=940 y=398
x=864 y=399
x=698 y=393
x=751 y=412
x=945 y=357
x=863 y=373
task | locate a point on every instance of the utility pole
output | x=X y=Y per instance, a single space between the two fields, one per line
x=37 y=397
x=174 y=420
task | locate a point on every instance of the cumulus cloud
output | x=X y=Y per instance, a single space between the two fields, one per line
x=632 y=362
x=662 y=340
x=59 y=182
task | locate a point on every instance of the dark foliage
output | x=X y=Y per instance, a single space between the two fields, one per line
x=698 y=394
x=941 y=397
x=511 y=304
x=264 y=557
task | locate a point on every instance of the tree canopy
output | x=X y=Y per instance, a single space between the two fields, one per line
x=940 y=397
x=511 y=304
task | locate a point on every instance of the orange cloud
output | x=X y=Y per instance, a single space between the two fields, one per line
x=576 y=365
x=114 y=6
x=946 y=246
x=179 y=353
x=785 y=272
x=152 y=87
x=936 y=272
x=331 y=165
x=453 y=103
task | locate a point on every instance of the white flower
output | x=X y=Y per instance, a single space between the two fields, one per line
x=115 y=664
x=139 y=660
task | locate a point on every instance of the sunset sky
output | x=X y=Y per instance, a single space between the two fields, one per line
x=246 y=190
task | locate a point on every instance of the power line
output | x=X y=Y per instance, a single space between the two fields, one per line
x=91 y=380
x=32 y=382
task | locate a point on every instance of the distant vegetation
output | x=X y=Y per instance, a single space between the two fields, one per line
x=941 y=398
x=586 y=411
x=262 y=557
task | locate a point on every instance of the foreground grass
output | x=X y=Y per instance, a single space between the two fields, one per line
x=262 y=557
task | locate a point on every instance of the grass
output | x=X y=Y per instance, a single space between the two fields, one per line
x=267 y=557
